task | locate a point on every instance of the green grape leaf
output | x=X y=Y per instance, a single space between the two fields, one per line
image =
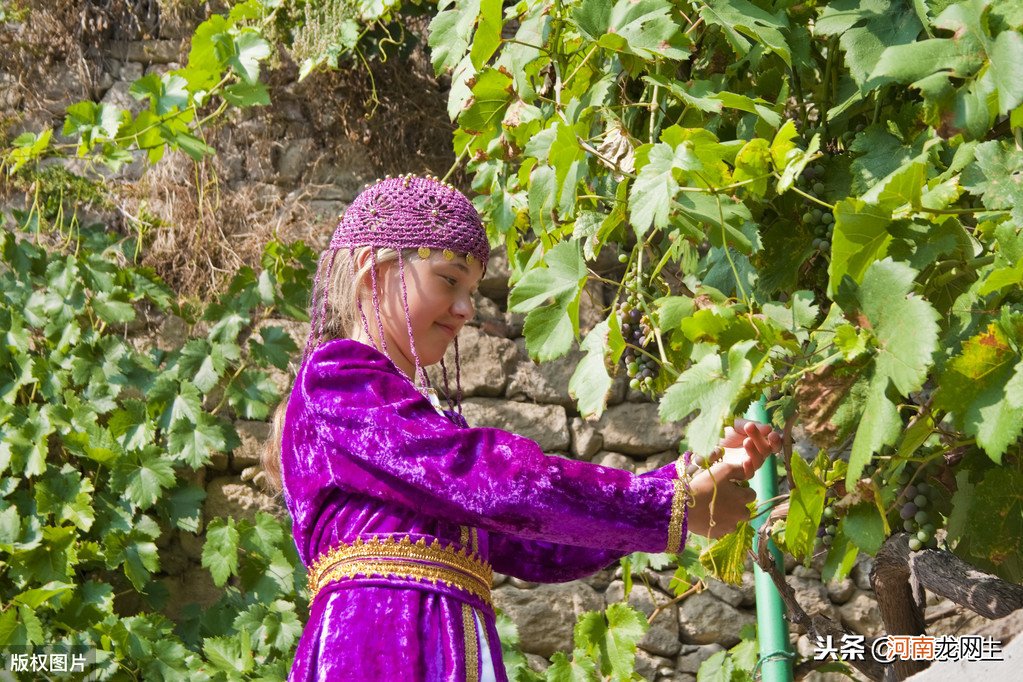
x=562 y=280
x=997 y=175
x=726 y=558
x=194 y=442
x=450 y=31
x=492 y=92
x=644 y=28
x=746 y=25
x=247 y=94
x=654 y=188
x=251 y=395
x=232 y=655
x=67 y=495
x=980 y=387
x=865 y=29
x=248 y=50
x=713 y=386
x=906 y=330
x=276 y=348
x=143 y=476
x=841 y=556
x=806 y=504
x=488 y=33
x=995 y=524
x=615 y=634
x=1007 y=50
x=904 y=324
x=132 y=426
x=141 y=560
x=581 y=668
x=550 y=330
x=182 y=506
x=860 y=237
x=590 y=382
x=165 y=93
x=718 y=668
x=220 y=551
x=865 y=527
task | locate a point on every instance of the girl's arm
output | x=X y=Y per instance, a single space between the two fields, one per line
x=356 y=423
x=548 y=562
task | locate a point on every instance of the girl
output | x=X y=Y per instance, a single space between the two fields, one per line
x=401 y=512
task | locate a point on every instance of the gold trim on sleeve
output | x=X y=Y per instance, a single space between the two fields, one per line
x=679 y=500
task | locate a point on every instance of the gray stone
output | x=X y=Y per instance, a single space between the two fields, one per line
x=226 y=496
x=253 y=436
x=545 y=615
x=494 y=284
x=691 y=657
x=614 y=459
x=586 y=440
x=131 y=71
x=840 y=591
x=860 y=573
x=725 y=592
x=706 y=620
x=543 y=383
x=191 y=544
x=861 y=615
x=545 y=424
x=294 y=159
x=649 y=665
x=194 y=586
x=662 y=636
x=148 y=51
x=537 y=663
x=636 y=429
x=654 y=462
x=486 y=362
x=813 y=597
x=173 y=333
x=806 y=572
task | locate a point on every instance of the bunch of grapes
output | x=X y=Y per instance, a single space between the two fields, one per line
x=816 y=219
x=917 y=500
x=637 y=330
x=828 y=529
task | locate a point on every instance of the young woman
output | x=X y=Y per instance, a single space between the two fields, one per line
x=401 y=512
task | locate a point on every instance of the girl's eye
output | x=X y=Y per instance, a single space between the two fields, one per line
x=451 y=280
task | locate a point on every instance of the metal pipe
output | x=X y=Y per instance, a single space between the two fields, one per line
x=775 y=661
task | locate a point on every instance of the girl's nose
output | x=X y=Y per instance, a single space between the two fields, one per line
x=463 y=307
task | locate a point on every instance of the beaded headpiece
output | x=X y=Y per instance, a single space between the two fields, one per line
x=406 y=212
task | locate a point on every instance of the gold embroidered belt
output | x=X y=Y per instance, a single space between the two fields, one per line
x=403 y=558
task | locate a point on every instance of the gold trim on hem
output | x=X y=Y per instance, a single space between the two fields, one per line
x=404 y=559
x=472 y=653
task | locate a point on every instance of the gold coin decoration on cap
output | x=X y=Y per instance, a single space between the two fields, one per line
x=470 y=259
x=424 y=252
x=448 y=254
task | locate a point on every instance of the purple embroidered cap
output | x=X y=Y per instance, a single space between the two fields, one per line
x=409 y=212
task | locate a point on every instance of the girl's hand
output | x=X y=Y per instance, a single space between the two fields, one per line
x=739 y=454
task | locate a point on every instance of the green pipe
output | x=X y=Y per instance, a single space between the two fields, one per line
x=775 y=661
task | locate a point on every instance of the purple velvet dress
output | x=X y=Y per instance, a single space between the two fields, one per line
x=366 y=457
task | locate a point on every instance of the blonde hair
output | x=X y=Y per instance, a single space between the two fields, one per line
x=339 y=286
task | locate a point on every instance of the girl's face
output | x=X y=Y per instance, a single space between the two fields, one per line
x=440 y=294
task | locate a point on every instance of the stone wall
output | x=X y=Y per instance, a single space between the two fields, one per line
x=308 y=163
